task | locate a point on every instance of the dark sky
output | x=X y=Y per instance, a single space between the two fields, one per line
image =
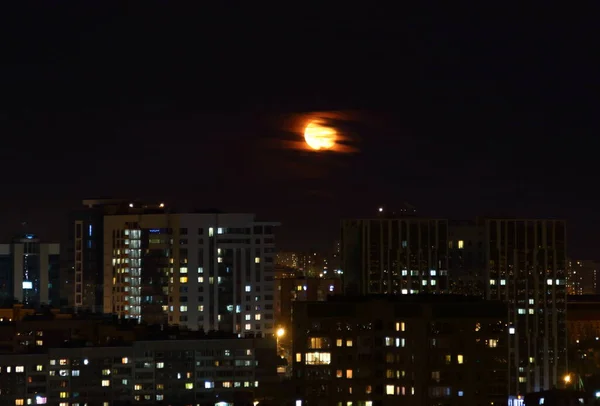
x=461 y=112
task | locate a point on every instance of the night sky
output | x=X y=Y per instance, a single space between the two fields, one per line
x=458 y=112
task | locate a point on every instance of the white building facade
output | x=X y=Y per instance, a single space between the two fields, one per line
x=207 y=271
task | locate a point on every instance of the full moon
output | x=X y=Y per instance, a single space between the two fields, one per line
x=319 y=136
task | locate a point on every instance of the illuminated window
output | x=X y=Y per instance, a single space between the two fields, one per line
x=400 y=326
x=160 y=365
x=189 y=385
x=137 y=387
x=64 y=361
x=183 y=279
x=248 y=288
x=183 y=269
x=348 y=374
x=298 y=357
x=257 y=316
x=39 y=368
x=493 y=343
x=200 y=308
x=318 y=358
x=248 y=327
x=448 y=359
x=257 y=260
x=20 y=369
x=368 y=389
x=106 y=372
x=461 y=244
x=339 y=342
x=349 y=342
x=124 y=360
x=389 y=341
x=183 y=308
x=389 y=389
x=19 y=402
x=64 y=395
x=39 y=343
x=201 y=279
x=339 y=373
x=318 y=343
x=227 y=384
x=105 y=382
x=460 y=359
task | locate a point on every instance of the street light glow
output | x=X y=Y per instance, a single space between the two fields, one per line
x=280 y=332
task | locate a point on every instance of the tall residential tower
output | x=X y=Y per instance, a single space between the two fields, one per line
x=210 y=271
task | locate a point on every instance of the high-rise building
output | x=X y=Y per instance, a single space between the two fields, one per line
x=526 y=264
x=582 y=277
x=466 y=263
x=30 y=272
x=395 y=255
x=210 y=271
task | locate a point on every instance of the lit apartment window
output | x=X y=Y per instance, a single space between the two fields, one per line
x=160 y=365
x=460 y=359
x=298 y=357
x=64 y=395
x=200 y=308
x=19 y=402
x=189 y=385
x=19 y=369
x=39 y=343
x=105 y=382
x=248 y=326
x=257 y=260
x=39 y=368
x=183 y=269
x=461 y=244
x=339 y=342
x=183 y=308
x=183 y=279
x=64 y=361
x=124 y=360
x=349 y=342
x=257 y=316
x=317 y=358
x=400 y=326
x=137 y=387
x=201 y=279
x=106 y=372
x=248 y=288
x=348 y=374
x=493 y=343
x=389 y=389
x=339 y=373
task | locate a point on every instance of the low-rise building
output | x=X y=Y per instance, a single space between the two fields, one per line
x=210 y=371
x=410 y=350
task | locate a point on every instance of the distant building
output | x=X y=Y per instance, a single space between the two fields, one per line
x=30 y=272
x=395 y=255
x=287 y=259
x=290 y=290
x=583 y=318
x=205 y=270
x=207 y=371
x=582 y=278
x=409 y=350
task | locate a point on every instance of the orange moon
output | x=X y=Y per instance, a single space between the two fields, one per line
x=319 y=136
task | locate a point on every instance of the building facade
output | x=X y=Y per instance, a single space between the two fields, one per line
x=526 y=267
x=410 y=350
x=30 y=272
x=582 y=277
x=211 y=372
x=209 y=271
x=401 y=255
